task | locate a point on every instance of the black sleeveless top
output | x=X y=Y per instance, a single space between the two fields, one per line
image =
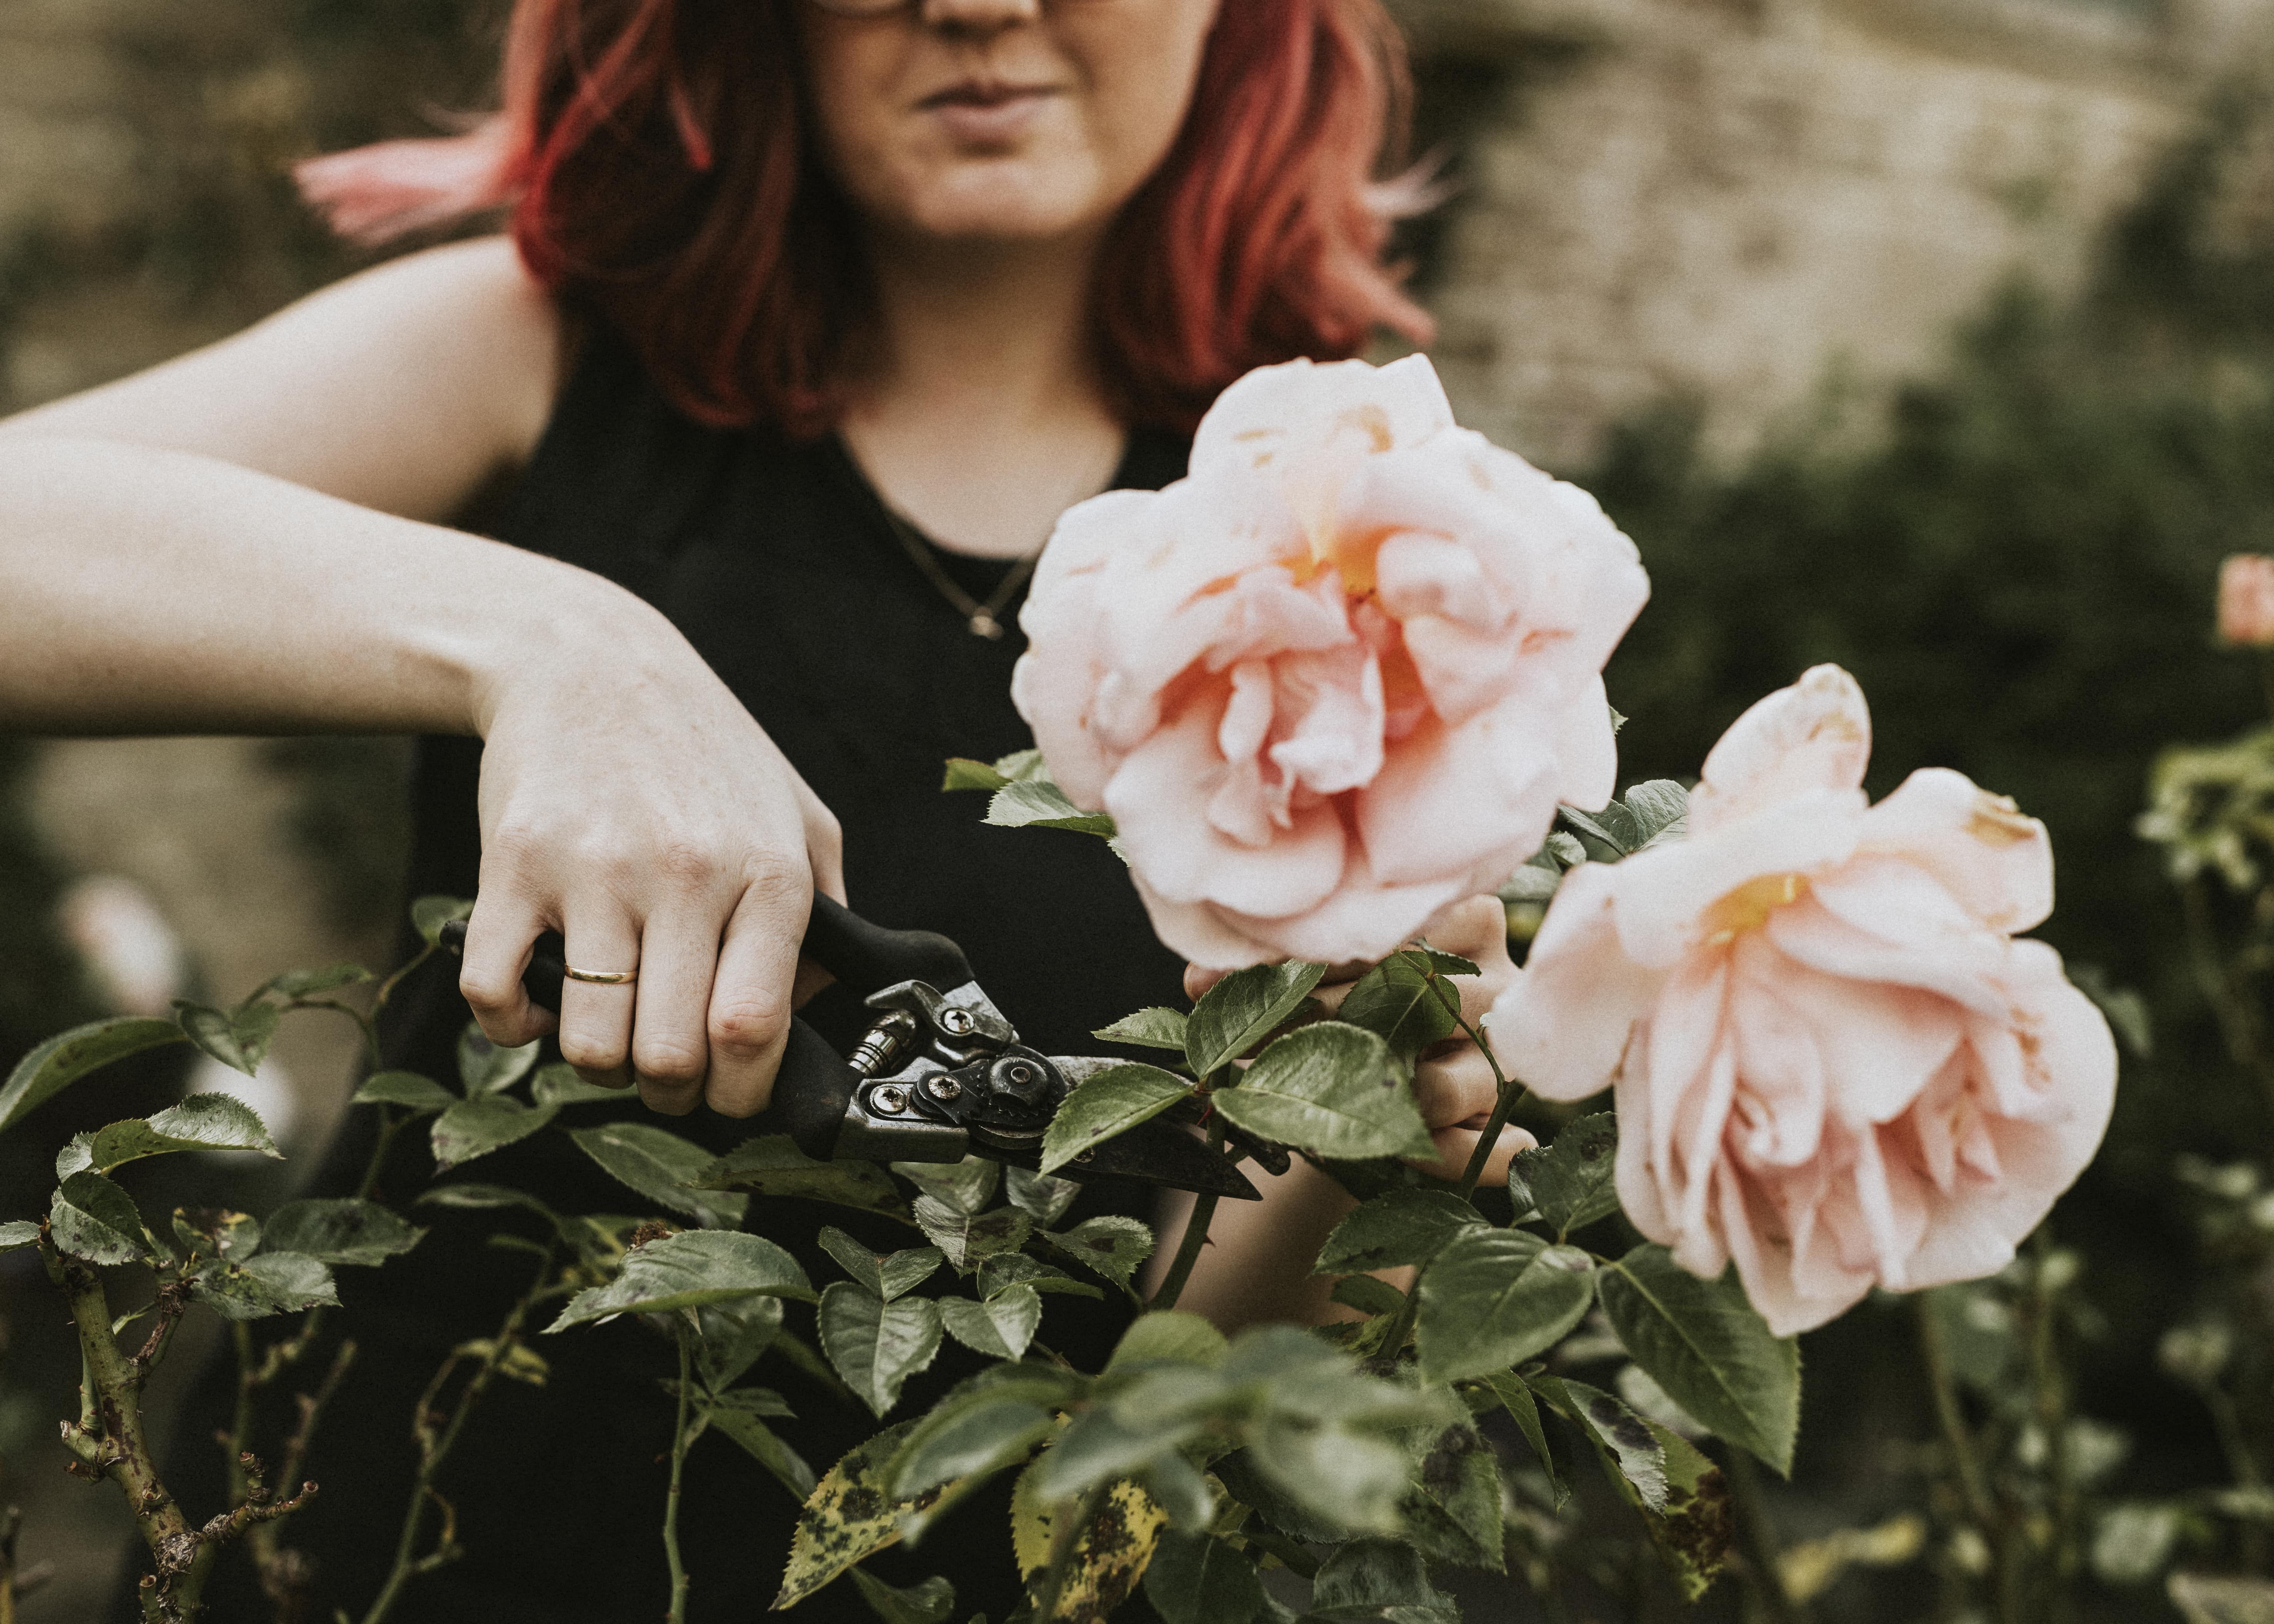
x=775 y=558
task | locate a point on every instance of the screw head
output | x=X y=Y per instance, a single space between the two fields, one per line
x=943 y=1088
x=956 y=1021
x=891 y=1099
x=1019 y=1072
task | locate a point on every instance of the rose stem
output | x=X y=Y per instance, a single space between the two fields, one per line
x=1196 y=1229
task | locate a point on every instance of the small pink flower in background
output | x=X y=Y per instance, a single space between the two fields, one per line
x=2246 y=601
x=1835 y=1064
x=1337 y=679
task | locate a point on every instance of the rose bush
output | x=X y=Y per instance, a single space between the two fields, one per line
x=1833 y=1063
x=1336 y=678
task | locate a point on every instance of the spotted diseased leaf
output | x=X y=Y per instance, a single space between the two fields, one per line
x=895 y=1274
x=772 y=1165
x=1241 y=1011
x=1406 y=1001
x=94 y=1221
x=1196 y=1579
x=1112 y=1246
x=429 y=914
x=420 y=1094
x=1042 y=1197
x=238 y=1038
x=1570 y=1182
x=17 y=1234
x=741 y=1416
x=1496 y=1298
x=1037 y=803
x=969 y=1240
x=689 y=1270
x=1328 y=1089
x=1378 y=1582
x=485 y=1068
x=1452 y=1513
x=202 y=1122
x=662 y=1167
x=469 y=1129
x=312 y=983
x=1631 y=1453
x=217 y=1232
x=876 y=1346
x=1707 y=1345
x=363 y=1234
x=1402 y=1227
x=272 y=1283
x=66 y=1058
x=1112 y=1101
x=1001 y=1326
x=1683 y=1496
x=1149 y=1028
x=1110 y=1554
x=931 y=1602
x=851 y=1514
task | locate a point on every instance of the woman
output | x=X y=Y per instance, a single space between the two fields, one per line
x=815 y=314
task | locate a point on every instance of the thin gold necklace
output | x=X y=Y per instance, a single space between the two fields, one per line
x=983 y=620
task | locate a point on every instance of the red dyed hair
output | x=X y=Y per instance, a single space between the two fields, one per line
x=659 y=173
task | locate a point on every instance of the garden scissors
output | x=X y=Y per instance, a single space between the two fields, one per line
x=940 y=1074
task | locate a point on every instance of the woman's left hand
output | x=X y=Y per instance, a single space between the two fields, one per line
x=1452 y=1081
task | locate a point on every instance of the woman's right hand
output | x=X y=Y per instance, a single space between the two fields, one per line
x=629 y=801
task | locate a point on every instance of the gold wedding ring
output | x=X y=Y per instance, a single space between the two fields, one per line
x=603 y=978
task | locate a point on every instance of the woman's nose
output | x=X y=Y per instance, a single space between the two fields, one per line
x=979 y=16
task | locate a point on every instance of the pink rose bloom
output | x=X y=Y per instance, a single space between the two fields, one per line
x=1337 y=679
x=1835 y=1064
x=2246 y=601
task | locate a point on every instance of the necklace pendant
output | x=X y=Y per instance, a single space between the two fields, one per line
x=984 y=625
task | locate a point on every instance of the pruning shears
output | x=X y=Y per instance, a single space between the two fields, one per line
x=940 y=1074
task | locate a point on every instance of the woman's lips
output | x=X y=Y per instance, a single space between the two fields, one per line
x=988 y=115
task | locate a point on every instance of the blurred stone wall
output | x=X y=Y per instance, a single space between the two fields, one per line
x=1743 y=200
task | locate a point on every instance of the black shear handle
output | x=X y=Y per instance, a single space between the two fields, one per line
x=815 y=1085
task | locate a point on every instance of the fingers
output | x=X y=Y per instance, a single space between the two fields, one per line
x=825 y=842
x=670 y=1048
x=1455 y=1087
x=596 y=1019
x=751 y=995
x=498 y=940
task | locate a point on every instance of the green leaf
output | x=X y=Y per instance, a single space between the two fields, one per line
x=888 y=1277
x=1328 y=1089
x=94 y=1219
x=65 y=1058
x=772 y=1165
x=1016 y=1268
x=202 y=1122
x=486 y=1069
x=1496 y=1298
x=1247 y=1484
x=420 y=1093
x=1112 y=1246
x=1368 y=1295
x=1148 y=1028
x=740 y=1415
x=429 y=914
x=876 y=1346
x=964 y=774
x=965 y=1186
x=1659 y=810
x=308 y=983
x=662 y=1167
x=17 y=1234
x=1170 y=1334
x=688 y=1270
x=1241 y=1010
x=558 y=1084
x=1631 y=1453
x=969 y=1240
x=849 y=1516
x=481 y=1197
x=1194 y=1579
x=471 y=1128
x=930 y=1602
x=274 y=1283
x=964 y=1437
x=1517 y=1399
x=1606 y=836
x=1405 y=1003
x=1042 y=1197
x=340 y=1232
x=238 y=1038
x=1404 y=1226
x=1453 y=1512
x=1570 y=1182
x=729 y=1337
x=217 y=1232
x=1039 y=803
x=1694 y=1531
x=1705 y=1344
x=1378 y=1582
x=1111 y=1101
x=1002 y=1326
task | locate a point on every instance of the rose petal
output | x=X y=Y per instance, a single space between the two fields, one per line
x=1814 y=736
x=1994 y=862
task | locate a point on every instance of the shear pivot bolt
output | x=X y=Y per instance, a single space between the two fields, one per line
x=891 y=1099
